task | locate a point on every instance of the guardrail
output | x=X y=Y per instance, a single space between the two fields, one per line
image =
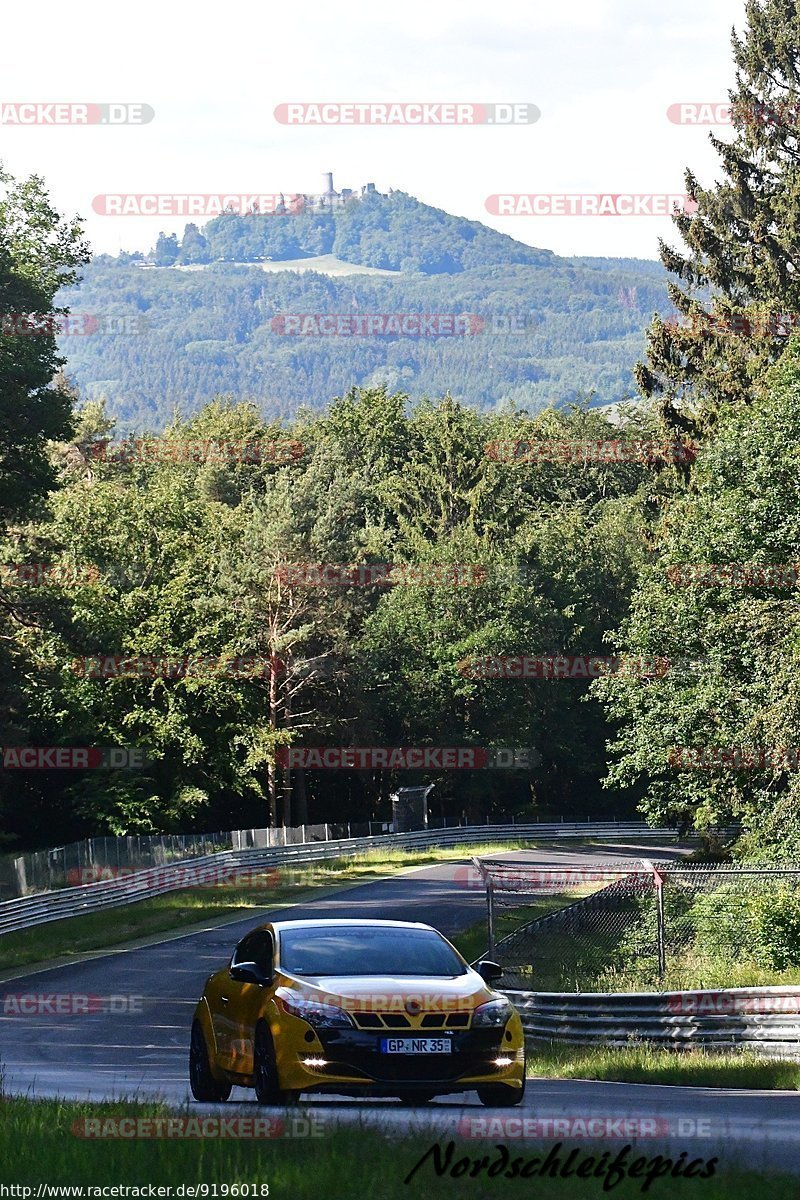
x=43 y=907
x=765 y=1020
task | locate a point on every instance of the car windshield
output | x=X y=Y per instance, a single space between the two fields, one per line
x=368 y=951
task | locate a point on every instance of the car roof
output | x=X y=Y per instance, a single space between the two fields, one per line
x=343 y=923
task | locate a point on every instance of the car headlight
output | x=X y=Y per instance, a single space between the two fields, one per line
x=319 y=1015
x=492 y=1014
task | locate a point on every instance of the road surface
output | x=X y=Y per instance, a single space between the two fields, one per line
x=133 y=1041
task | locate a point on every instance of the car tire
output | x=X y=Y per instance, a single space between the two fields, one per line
x=205 y=1087
x=265 y=1071
x=500 y=1095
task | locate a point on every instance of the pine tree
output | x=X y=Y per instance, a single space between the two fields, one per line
x=739 y=290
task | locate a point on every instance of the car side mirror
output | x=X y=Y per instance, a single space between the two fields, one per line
x=489 y=971
x=249 y=972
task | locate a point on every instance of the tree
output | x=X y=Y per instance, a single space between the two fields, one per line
x=194 y=247
x=167 y=250
x=743 y=635
x=40 y=252
x=739 y=273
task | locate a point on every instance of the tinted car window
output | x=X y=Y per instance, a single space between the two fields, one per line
x=366 y=951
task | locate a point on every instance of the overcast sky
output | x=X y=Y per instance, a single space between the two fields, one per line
x=602 y=72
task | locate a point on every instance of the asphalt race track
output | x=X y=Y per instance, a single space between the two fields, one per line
x=135 y=1041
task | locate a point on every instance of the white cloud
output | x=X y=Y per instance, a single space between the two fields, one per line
x=602 y=71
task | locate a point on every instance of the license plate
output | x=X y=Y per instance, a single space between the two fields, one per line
x=424 y=1045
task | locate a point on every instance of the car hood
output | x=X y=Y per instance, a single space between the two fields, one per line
x=377 y=992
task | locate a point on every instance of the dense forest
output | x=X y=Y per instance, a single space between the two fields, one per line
x=163 y=558
x=206 y=319
x=339 y=572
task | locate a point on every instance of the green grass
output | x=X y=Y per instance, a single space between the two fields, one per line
x=472 y=942
x=177 y=911
x=566 y=964
x=689 y=969
x=37 y=1146
x=646 y=1064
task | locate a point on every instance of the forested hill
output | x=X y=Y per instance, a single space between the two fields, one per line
x=202 y=316
x=394 y=232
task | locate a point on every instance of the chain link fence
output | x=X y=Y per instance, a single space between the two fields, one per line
x=557 y=951
x=645 y=925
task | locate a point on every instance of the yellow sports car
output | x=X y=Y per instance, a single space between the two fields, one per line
x=369 y=1008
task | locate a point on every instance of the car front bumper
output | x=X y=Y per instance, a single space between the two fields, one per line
x=354 y=1058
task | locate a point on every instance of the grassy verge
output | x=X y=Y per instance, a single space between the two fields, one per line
x=610 y=963
x=37 y=1146
x=690 y=969
x=645 y=1064
x=568 y=967
x=176 y=911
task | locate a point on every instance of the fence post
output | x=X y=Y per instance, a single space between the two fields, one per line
x=490 y=928
x=662 y=952
x=658 y=883
x=490 y=915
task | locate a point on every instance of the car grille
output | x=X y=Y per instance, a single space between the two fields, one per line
x=372 y=1020
x=357 y=1053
